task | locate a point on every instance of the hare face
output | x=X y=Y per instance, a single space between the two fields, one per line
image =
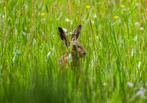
x=73 y=47
x=79 y=49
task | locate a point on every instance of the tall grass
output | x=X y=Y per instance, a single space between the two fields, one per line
x=114 y=33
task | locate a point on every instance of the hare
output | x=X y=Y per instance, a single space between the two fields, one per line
x=74 y=49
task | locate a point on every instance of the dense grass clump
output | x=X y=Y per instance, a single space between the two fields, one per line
x=114 y=33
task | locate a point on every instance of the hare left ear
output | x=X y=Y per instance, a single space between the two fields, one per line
x=76 y=32
x=63 y=36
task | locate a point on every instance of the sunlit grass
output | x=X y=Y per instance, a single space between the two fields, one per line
x=114 y=34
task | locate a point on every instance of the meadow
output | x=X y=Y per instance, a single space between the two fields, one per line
x=114 y=34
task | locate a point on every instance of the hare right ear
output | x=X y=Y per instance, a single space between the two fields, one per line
x=63 y=36
x=76 y=32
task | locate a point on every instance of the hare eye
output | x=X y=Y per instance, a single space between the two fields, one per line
x=79 y=48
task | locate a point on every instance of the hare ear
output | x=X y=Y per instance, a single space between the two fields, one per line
x=63 y=36
x=76 y=32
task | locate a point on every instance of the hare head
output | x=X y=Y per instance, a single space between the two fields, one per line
x=74 y=49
